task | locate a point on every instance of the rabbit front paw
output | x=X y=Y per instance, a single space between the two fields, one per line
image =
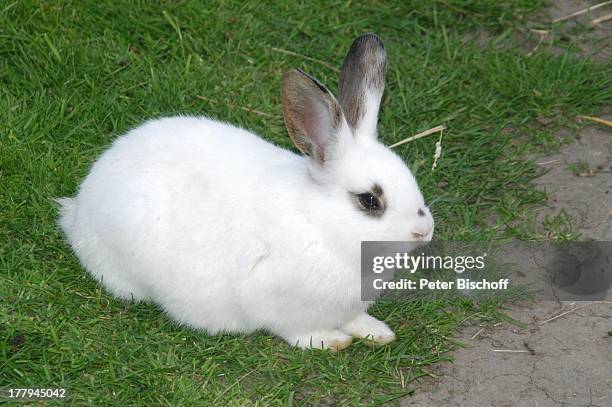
x=333 y=340
x=373 y=331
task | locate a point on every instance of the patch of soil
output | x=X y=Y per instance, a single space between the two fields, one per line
x=582 y=34
x=590 y=37
x=579 y=181
x=564 y=362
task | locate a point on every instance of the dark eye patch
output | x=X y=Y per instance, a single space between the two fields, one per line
x=372 y=202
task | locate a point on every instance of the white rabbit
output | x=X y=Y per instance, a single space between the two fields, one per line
x=227 y=232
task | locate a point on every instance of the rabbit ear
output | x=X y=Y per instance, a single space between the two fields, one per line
x=312 y=115
x=362 y=82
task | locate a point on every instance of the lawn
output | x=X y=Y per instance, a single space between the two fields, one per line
x=76 y=74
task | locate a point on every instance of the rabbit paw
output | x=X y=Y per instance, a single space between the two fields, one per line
x=333 y=340
x=374 y=332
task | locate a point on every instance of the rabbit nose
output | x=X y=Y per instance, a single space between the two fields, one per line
x=420 y=234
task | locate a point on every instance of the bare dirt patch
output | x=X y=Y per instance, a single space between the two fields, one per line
x=579 y=181
x=564 y=362
x=589 y=32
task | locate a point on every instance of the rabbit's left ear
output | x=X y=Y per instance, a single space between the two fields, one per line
x=362 y=83
x=312 y=115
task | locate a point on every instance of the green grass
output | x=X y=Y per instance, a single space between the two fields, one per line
x=76 y=74
x=581 y=168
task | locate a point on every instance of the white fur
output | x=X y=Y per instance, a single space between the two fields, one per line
x=367 y=327
x=227 y=232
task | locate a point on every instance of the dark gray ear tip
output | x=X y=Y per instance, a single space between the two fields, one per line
x=292 y=74
x=370 y=40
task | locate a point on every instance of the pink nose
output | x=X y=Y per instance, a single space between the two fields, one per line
x=417 y=235
x=420 y=233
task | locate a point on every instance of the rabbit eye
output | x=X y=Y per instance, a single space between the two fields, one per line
x=369 y=201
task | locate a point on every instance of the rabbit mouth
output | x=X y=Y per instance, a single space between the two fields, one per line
x=420 y=239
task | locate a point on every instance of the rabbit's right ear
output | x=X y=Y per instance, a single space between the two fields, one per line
x=362 y=83
x=312 y=115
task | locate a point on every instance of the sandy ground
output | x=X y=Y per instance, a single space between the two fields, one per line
x=565 y=361
x=593 y=42
x=587 y=197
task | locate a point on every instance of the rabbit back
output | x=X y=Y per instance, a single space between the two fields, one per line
x=172 y=209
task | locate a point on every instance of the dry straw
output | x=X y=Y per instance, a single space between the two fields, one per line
x=597 y=120
x=437 y=153
x=580 y=12
x=418 y=136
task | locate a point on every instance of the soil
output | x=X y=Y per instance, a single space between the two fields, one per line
x=565 y=361
x=579 y=181
x=589 y=37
